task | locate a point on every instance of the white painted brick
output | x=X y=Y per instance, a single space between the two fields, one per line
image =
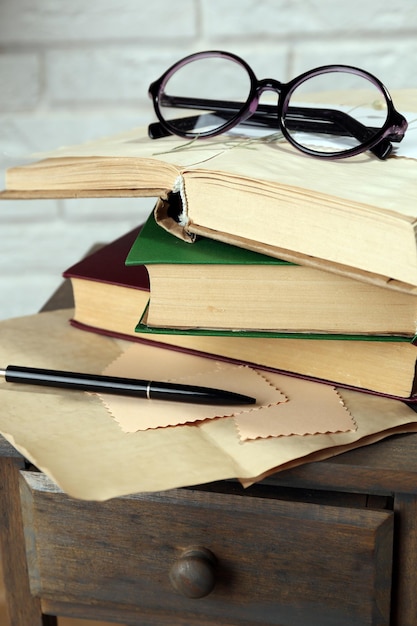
x=105 y=210
x=394 y=65
x=27 y=212
x=46 y=21
x=33 y=258
x=49 y=247
x=20 y=81
x=242 y=18
x=356 y=16
x=124 y=75
x=105 y=75
x=23 y=135
x=284 y=18
x=266 y=61
x=25 y=294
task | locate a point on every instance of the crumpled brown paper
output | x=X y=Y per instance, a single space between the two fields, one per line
x=70 y=436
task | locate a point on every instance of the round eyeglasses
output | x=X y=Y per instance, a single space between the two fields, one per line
x=301 y=109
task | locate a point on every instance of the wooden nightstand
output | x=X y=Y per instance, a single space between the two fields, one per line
x=332 y=543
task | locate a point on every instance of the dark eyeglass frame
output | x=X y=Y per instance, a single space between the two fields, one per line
x=280 y=117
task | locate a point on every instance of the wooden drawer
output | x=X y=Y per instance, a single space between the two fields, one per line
x=276 y=562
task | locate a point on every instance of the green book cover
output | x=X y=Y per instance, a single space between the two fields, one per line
x=156 y=245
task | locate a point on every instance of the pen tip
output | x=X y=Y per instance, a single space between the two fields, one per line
x=235 y=398
x=248 y=400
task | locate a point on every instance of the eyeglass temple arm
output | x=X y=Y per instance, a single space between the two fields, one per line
x=381 y=150
x=334 y=122
x=347 y=122
x=327 y=121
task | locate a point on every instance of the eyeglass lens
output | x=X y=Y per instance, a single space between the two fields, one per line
x=207 y=79
x=218 y=89
x=335 y=111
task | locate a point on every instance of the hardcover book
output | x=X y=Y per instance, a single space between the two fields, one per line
x=217 y=286
x=356 y=216
x=110 y=296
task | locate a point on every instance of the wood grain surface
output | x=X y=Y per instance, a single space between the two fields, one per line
x=62 y=621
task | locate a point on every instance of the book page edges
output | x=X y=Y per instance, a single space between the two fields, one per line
x=81 y=175
x=222 y=348
x=177 y=224
x=303 y=259
x=62 y=194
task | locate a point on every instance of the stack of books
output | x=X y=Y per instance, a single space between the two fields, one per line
x=254 y=254
x=238 y=305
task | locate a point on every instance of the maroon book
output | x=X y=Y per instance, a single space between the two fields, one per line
x=107 y=265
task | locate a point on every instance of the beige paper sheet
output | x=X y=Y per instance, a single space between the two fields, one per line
x=70 y=437
x=143 y=361
x=313 y=407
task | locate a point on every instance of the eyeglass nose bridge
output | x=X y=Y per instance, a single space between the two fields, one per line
x=269 y=84
x=266 y=84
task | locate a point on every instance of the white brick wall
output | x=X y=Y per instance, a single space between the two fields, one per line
x=71 y=71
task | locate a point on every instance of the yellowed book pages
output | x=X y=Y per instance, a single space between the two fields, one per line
x=354 y=215
x=250 y=297
x=381 y=366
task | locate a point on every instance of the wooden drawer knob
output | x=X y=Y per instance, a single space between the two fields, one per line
x=193 y=574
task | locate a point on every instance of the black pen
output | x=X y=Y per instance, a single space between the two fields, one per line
x=122 y=386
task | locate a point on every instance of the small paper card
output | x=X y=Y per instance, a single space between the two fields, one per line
x=285 y=406
x=140 y=361
x=312 y=408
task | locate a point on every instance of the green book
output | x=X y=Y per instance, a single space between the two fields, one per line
x=154 y=245
x=215 y=288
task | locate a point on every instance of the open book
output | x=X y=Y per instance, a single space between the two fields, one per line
x=356 y=216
